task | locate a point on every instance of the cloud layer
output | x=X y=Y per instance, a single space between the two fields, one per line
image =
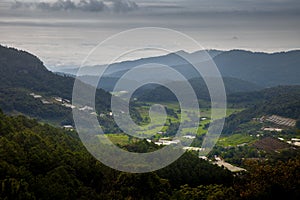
x=82 y=5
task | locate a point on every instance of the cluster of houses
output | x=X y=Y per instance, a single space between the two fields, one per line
x=37 y=96
x=217 y=160
x=272 y=129
x=278 y=120
x=193 y=149
x=62 y=101
x=294 y=141
x=66 y=103
x=166 y=141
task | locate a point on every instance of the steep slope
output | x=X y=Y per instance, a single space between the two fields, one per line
x=23 y=73
x=20 y=69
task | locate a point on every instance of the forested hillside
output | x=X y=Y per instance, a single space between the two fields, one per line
x=22 y=74
x=41 y=162
x=283 y=101
x=162 y=94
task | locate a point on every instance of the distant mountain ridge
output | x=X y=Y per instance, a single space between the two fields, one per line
x=261 y=68
x=171 y=59
x=264 y=69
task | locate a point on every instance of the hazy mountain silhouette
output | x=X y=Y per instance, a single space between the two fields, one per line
x=263 y=69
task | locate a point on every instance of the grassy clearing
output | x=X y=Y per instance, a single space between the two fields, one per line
x=236 y=139
x=205 y=112
x=121 y=138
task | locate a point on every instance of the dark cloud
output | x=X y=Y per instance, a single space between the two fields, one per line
x=121 y=6
x=82 y=5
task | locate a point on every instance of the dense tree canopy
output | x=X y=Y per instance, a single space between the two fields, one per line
x=283 y=101
x=41 y=162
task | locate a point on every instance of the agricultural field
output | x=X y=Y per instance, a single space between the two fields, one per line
x=270 y=144
x=162 y=126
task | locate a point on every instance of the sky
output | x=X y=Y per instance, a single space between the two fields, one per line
x=62 y=32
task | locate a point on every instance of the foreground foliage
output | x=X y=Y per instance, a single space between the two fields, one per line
x=41 y=162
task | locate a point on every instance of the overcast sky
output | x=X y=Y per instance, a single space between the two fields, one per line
x=62 y=32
